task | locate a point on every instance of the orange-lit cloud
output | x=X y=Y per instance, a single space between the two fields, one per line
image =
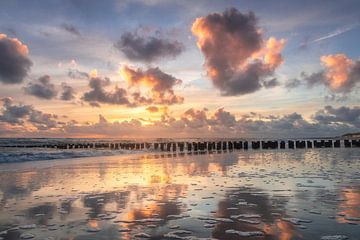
x=14 y=61
x=93 y=73
x=237 y=58
x=341 y=74
x=160 y=84
x=27 y=121
x=156 y=109
x=338 y=68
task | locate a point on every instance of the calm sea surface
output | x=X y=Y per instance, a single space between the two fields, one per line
x=282 y=194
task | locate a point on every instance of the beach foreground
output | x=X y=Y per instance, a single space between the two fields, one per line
x=289 y=194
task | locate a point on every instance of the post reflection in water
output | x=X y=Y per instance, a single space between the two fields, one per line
x=282 y=195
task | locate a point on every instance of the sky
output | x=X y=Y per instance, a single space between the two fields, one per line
x=156 y=68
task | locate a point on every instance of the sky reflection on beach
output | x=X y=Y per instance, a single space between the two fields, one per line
x=120 y=197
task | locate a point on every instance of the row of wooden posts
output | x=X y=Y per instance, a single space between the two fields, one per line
x=208 y=145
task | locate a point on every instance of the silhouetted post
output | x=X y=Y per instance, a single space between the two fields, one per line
x=255 y=145
x=224 y=147
x=181 y=147
x=328 y=144
x=189 y=146
x=195 y=146
x=209 y=147
x=347 y=143
x=355 y=143
x=230 y=145
x=264 y=145
x=246 y=145
x=218 y=146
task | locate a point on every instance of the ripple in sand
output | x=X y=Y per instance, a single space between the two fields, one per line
x=245 y=234
x=27 y=236
x=142 y=235
x=334 y=237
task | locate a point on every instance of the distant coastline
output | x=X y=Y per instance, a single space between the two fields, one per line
x=351 y=135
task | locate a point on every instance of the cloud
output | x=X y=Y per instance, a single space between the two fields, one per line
x=147 y=49
x=14 y=61
x=160 y=84
x=42 y=88
x=76 y=74
x=26 y=115
x=98 y=94
x=237 y=58
x=340 y=75
x=271 y=83
x=14 y=114
x=70 y=29
x=341 y=115
x=329 y=121
x=220 y=123
x=68 y=92
x=152 y=109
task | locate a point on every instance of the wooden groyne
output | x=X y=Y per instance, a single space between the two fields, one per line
x=200 y=146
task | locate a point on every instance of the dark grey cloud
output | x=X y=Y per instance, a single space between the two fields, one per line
x=68 y=92
x=14 y=61
x=147 y=48
x=98 y=94
x=14 y=114
x=43 y=121
x=42 y=88
x=70 y=29
x=21 y=114
x=309 y=80
x=271 y=83
x=331 y=115
x=237 y=58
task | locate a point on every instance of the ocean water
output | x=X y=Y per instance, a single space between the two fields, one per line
x=19 y=150
x=271 y=194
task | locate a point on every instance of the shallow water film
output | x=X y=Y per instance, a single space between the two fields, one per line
x=299 y=194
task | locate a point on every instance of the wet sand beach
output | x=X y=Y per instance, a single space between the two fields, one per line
x=282 y=194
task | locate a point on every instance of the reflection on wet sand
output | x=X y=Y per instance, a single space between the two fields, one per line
x=255 y=195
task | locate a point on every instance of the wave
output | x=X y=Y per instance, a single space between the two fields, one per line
x=12 y=155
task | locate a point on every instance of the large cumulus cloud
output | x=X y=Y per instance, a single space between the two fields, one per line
x=147 y=48
x=14 y=60
x=237 y=58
